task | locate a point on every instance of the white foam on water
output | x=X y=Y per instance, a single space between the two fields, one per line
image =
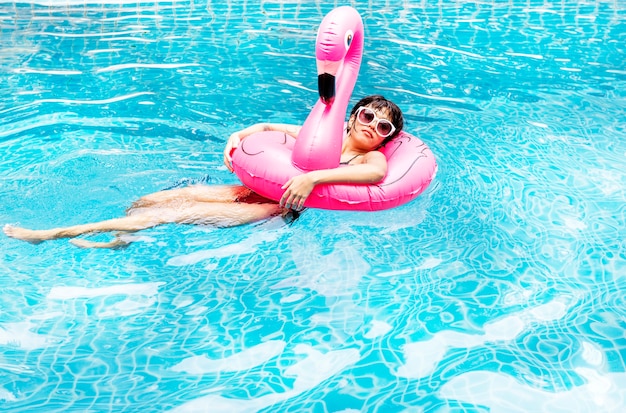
x=427 y=264
x=553 y=310
x=244 y=360
x=501 y=393
x=128 y=307
x=68 y=293
x=19 y=335
x=395 y=272
x=291 y=298
x=529 y=55
x=573 y=223
x=247 y=246
x=26 y=70
x=539 y=10
x=377 y=329
x=309 y=372
x=338 y=274
x=317 y=367
x=95 y=101
x=7 y=396
x=64 y=3
x=591 y=354
x=126 y=66
x=421 y=357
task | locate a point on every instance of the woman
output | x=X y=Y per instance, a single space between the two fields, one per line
x=373 y=122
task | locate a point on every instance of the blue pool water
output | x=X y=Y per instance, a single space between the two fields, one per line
x=500 y=289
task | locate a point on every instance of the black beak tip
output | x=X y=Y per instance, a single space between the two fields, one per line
x=326 y=88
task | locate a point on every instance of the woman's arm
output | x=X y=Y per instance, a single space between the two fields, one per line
x=373 y=169
x=235 y=139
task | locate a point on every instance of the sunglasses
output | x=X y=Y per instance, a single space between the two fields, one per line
x=366 y=116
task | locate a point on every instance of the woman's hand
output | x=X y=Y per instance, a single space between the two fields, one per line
x=235 y=139
x=233 y=142
x=297 y=190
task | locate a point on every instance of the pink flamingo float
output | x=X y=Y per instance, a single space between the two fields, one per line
x=264 y=161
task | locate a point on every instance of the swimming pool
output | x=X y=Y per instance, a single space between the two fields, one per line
x=501 y=288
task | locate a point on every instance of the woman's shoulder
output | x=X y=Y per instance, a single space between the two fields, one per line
x=374 y=156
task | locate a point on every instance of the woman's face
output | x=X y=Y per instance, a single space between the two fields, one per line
x=369 y=127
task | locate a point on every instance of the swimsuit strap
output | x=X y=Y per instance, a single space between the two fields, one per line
x=350 y=160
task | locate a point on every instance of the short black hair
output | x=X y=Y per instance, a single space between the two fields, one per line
x=378 y=102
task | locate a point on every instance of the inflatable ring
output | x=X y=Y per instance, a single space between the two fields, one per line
x=265 y=161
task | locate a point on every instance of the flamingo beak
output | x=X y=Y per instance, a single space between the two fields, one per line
x=326 y=88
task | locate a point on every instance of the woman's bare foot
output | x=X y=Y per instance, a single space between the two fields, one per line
x=29 y=235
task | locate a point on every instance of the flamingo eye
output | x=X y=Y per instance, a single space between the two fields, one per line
x=348 y=39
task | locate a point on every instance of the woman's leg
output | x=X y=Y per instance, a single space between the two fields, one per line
x=137 y=213
x=117 y=242
x=193 y=193
x=129 y=224
x=219 y=214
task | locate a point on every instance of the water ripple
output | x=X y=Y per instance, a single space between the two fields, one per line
x=126 y=66
x=504 y=281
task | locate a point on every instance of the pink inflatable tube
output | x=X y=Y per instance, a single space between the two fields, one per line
x=265 y=161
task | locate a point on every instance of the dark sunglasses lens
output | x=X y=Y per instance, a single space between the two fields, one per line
x=366 y=116
x=384 y=128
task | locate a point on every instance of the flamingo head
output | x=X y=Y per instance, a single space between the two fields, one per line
x=339 y=40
